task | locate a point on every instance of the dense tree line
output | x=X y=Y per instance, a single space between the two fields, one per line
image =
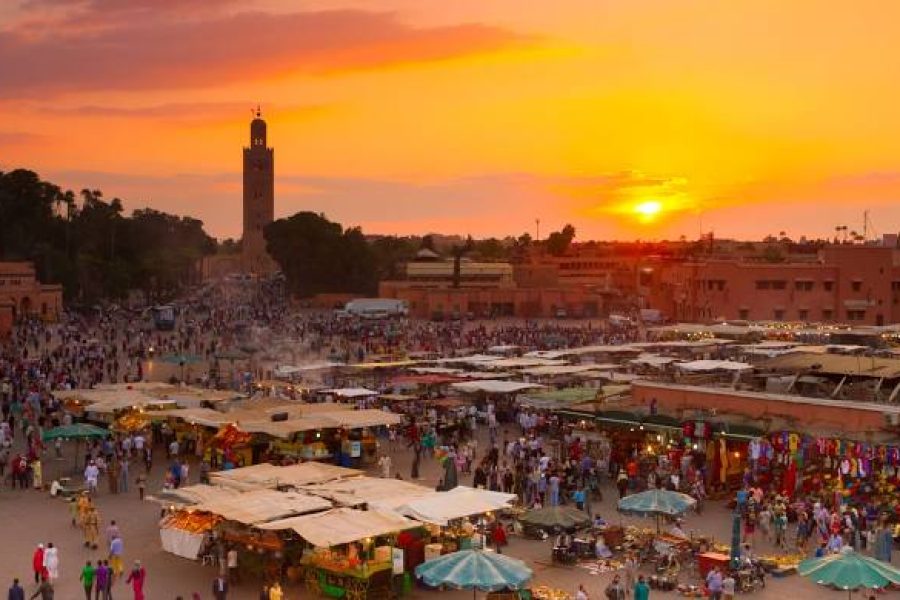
x=317 y=255
x=86 y=243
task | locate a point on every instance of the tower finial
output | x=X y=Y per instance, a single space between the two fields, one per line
x=258 y=112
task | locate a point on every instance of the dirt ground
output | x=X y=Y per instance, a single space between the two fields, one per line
x=30 y=517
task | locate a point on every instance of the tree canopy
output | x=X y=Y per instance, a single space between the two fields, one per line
x=558 y=242
x=317 y=255
x=85 y=243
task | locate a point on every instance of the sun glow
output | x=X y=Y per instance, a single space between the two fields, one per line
x=648 y=209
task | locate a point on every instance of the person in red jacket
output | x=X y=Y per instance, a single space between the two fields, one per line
x=37 y=563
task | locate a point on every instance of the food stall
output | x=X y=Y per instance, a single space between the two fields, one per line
x=184 y=532
x=352 y=554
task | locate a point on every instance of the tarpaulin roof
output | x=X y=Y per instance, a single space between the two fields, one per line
x=713 y=365
x=342 y=526
x=259 y=506
x=350 y=392
x=266 y=475
x=442 y=507
x=493 y=386
x=426 y=379
x=355 y=419
x=387 y=494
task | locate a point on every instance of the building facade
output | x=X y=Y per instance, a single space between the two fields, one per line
x=23 y=296
x=848 y=283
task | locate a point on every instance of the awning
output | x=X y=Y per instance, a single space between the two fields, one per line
x=661 y=422
x=617 y=417
x=737 y=431
x=443 y=507
x=259 y=506
x=493 y=386
x=342 y=526
x=350 y=392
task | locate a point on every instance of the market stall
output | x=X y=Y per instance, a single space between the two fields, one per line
x=353 y=556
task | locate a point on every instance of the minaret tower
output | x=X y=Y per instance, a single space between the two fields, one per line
x=259 y=197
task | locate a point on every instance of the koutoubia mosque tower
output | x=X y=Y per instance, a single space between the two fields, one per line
x=259 y=198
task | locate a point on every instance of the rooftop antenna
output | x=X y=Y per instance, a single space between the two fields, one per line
x=537 y=230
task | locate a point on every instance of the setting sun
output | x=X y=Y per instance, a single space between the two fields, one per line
x=648 y=209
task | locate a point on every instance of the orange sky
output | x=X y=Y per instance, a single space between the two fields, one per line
x=745 y=117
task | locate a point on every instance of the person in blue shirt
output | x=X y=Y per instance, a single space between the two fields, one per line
x=16 y=592
x=578 y=496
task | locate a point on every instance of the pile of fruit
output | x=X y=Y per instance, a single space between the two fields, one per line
x=782 y=561
x=191 y=522
x=133 y=421
x=543 y=592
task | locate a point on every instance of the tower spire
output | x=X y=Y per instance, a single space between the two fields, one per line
x=258 y=112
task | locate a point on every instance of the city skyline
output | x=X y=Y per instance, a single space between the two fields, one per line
x=641 y=119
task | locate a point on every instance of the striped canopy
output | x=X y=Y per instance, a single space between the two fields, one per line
x=474 y=569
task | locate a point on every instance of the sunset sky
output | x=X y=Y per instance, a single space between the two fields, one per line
x=627 y=118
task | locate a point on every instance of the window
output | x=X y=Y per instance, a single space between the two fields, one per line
x=856 y=315
x=803 y=314
x=895 y=285
x=762 y=284
x=828 y=285
x=803 y=286
x=779 y=284
x=856 y=285
x=779 y=314
x=827 y=314
x=743 y=314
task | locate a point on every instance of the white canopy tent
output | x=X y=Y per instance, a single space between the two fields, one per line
x=442 y=507
x=259 y=506
x=342 y=526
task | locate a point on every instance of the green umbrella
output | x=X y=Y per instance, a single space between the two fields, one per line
x=475 y=570
x=656 y=503
x=76 y=431
x=556 y=517
x=848 y=570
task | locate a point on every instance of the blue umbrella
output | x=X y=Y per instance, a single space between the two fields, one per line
x=475 y=570
x=654 y=503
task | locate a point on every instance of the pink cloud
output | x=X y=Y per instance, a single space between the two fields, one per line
x=189 y=53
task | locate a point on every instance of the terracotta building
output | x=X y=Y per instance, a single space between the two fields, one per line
x=432 y=289
x=22 y=295
x=846 y=283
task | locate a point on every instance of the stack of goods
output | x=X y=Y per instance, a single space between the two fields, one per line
x=130 y=422
x=193 y=522
x=230 y=436
x=691 y=591
x=782 y=562
x=543 y=592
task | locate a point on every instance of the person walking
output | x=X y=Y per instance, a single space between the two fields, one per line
x=581 y=593
x=641 y=589
x=44 y=590
x=101 y=576
x=220 y=588
x=16 y=592
x=51 y=564
x=137 y=578
x=116 y=550
x=37 y=563
x=615 y=590
x=88 y=574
